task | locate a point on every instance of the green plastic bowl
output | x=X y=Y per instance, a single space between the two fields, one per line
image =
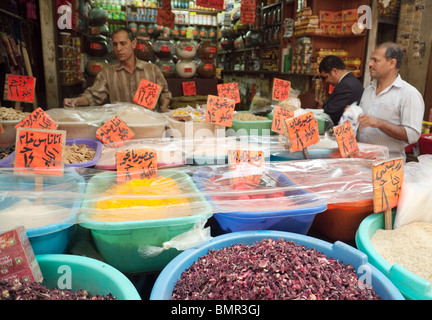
x=247 y=128
x=95 y=276
x=121 y=243
x=410 y=285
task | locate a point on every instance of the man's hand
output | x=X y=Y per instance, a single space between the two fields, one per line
x=75 y=102
x=366 y=120
x=393 y=130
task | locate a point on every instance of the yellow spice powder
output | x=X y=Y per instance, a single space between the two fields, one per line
x=154 y=186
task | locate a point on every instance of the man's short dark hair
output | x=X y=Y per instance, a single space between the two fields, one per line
x=330 y=62
x=393 y=51
x=129 y=32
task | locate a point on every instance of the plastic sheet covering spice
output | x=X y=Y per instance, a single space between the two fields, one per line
x=313 y=183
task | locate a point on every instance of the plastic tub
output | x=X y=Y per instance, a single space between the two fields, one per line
x=8 y=135
x=79 y=123
x=165 y=283
x=119 y=243
x=259 y=128
x=97 y=277
x=190 y=129
x=411 y=286
x=91 y=143
x=341 y=220
x=297 y=220
x=52 y=238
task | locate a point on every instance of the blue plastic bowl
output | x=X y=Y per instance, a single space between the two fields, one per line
x=52 y=238
x=298 y=220
x=97 y=277
x=412 y=286
x=91 y=143
x=167 y=279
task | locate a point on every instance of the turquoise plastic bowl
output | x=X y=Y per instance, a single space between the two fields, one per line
x=95 y=276
x=242 y=128
x=53 y=238
x=119 y=243
x=412 y=286
x=165 y=283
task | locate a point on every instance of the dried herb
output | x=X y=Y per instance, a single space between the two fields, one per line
x=270 y=270
x=16 y=290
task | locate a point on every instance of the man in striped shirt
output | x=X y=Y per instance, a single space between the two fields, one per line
x=119 y=82
x=392 y=108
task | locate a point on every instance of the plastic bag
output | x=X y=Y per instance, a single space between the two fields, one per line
x=133 y=114
x=415 y=200
x=351 y=114
x=194 y=237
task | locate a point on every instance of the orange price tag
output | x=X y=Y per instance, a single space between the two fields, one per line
x=1 y=128
x=281 y=89
x=136 y=164
x=147 y=94
x=279 y=116
x=229 y=90
x=387 y=183
x=38 y=119
x=220 y=110
x=114 y=133
x=302 y=131
x=346 y=139
x=248 y=163
x=20 y=88
x=40 y=151
x=189 y=88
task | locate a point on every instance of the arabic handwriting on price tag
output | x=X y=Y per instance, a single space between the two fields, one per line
x=387 y=184
x=229 y=90
x=136 y=164
x=114 y=133
x=147 y=94
x=220 y=110
x=40 y=151
x=189 y=88
x=281 y=89
x=248 y=164
x=38 y=119
x=302 y=131
x=279 y=116
x=346 y=139
x=20 y=88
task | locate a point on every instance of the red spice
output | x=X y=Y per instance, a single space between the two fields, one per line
x=270 y=270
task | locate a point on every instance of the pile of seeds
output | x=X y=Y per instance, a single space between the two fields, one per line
x=270 y=270
x=16 y=290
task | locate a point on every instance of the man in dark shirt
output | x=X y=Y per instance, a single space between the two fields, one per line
x=348 y=89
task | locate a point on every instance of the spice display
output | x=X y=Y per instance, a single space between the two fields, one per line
x=409 y=245
x=188 y=114
x=15 y=290
x=140 y=208
x=246 y=116
x=12 y=114
x=270 y=269
x=77 y=153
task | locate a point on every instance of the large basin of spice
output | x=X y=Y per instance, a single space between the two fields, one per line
x=411 y=285
x=124 y=236
x=247 y=124
x=72 y=272
x=170 y=275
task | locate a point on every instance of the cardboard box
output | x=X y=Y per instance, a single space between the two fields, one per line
x=349 y=15
x=326 y=16
x=17 y=259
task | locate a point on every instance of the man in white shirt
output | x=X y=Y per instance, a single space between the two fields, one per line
x=392 y=108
